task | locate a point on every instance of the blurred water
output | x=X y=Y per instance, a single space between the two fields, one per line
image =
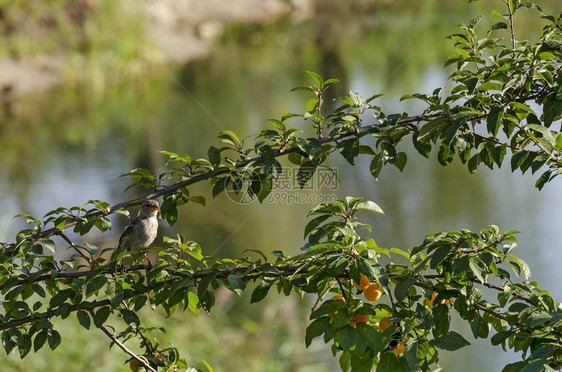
x=68 y=147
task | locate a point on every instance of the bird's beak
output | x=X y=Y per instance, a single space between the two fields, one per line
x=155 y=208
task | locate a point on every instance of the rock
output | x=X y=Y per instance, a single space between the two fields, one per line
x=19 y=78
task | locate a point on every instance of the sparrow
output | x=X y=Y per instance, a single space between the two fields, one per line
x=142 y=230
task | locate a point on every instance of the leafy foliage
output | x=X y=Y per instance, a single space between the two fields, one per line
x=506 y=97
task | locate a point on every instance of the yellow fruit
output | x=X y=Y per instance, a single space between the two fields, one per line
x=373 y=292
x=384 y=323
x=401 y=348
x=429 y=302
x=445 y=301
x=359 y=319
x=134 y=364
x=364 y=283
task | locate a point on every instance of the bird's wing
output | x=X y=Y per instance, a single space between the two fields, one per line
x=128 y=230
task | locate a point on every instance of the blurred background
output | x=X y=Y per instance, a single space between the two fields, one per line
x=91 y=89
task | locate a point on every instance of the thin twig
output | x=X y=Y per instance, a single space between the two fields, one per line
x=511 y=25
x=125 y=349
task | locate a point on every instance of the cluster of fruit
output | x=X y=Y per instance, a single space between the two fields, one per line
x=372 y=292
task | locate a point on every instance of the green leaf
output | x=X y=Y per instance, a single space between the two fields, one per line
x=310 y=146
x=514 y=367
x=558 y=145
x=369 y=206
x=220 y=185
x=536 y=366
x=207 y=366
x=389 y=363
x=278 y=124
x=361 y=362
x=518 y=158
x=229 y=137
x=206 y=279
x=498 y=154
x=39 y=340
x=522 y=265
x=184 y=158
x=530 y=5
x=261 y=291
x=381 y=275
x=328 y=307
x=193 y=303
x=314 y=223
x=551 y=45
x=536 y=319
x=433 y=128
x=499 y=26
x=442 y=320
x=130 y=317
x=345 y=361
x=312 y=104
x=83 y=318
x=478 y=268
x=214 y=155
x=114 y=292
x=490 y=85
x=422 y=264
x=376 y=165
x=373 y=270
x=402 y=289
x=451 y=341
x=495 y=14
x=53 y=338
x=194 y=250
x=494 y=120
x=479 y=327
x=237 y=283
x=317 y=78
x=357 y=99
x=349 y=149
x=7 y=340
x=348 y=337
x=500 y=337
x=101 y=316
x=24 y=345
x=49 y=244
x=540 y=129
x=341 y=319
x=197 y=199
x=439 y=255
x=95 y=284
x=329 y=82
x=400 y=160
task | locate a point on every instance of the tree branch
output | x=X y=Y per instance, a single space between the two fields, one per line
x=124 y=348
x=284 y=271
x=202 y=177
x=222 y=274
